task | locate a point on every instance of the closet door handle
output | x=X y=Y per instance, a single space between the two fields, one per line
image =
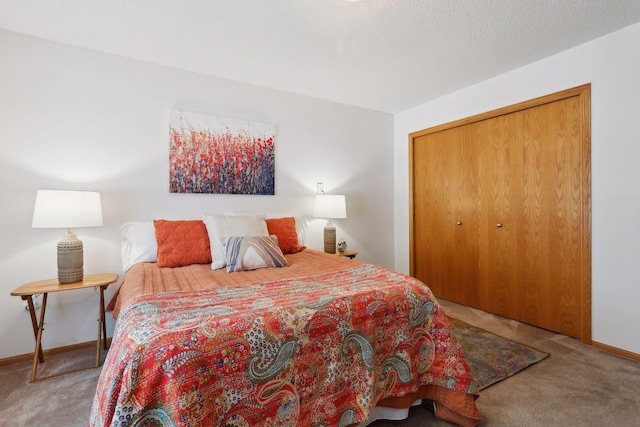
x=499 y=225
x=459 y=223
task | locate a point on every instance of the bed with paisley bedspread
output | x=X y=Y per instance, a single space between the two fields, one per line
x=325 y=341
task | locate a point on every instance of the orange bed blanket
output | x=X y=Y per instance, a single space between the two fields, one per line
x=320 y=342
x=147 y=278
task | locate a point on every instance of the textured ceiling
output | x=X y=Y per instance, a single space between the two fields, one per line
x=387 y=55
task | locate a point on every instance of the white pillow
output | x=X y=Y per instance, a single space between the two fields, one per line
x=221 y=226
x=301 y=229
x=138 y=243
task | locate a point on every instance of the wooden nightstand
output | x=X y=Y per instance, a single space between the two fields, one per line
x=44 y=287
x=348 y=254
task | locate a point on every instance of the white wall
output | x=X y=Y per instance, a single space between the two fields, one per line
x=612 y=65
x=72 y=118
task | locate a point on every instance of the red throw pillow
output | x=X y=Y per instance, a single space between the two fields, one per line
x=182 y=243
x=285 y=230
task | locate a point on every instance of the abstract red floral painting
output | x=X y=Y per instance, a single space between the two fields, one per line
x=219 y=155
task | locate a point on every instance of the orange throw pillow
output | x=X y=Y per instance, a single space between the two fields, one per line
x=285 y=230
x=182 y=243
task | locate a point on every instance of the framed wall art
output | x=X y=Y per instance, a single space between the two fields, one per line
x=219 y=155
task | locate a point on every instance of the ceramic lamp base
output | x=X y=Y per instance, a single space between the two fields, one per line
x=70 y=260
x=330 y=238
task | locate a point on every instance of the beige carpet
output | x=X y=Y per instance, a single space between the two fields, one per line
x=577 y=385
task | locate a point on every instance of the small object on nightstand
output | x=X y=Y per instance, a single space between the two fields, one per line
x=44 y=287
x=348 y=254
x=342 y=246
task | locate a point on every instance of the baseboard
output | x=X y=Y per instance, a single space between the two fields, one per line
x=29 y=357
x=616 y=350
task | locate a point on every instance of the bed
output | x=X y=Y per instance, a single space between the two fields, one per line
x=320 y=341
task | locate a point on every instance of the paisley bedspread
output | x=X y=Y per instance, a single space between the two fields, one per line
x=321 y=350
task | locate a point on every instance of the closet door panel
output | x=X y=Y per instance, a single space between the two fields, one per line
x=427 y=201
x=460 y=221
x=512 y=211
x=553 y=215
x=501 y=288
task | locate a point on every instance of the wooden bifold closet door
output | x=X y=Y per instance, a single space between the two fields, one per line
x=500 y=211
x=501 y=287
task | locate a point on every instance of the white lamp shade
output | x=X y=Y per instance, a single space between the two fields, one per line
x=330 y=206
x=67 y=209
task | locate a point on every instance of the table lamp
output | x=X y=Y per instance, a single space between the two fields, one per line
x=68 y=209
x=330 y=207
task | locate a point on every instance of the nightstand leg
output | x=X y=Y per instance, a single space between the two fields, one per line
x=38 y=349
x=102 y=328
x=34 y=323
x=104 y=318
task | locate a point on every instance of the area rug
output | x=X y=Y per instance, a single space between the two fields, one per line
x=493 y=358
